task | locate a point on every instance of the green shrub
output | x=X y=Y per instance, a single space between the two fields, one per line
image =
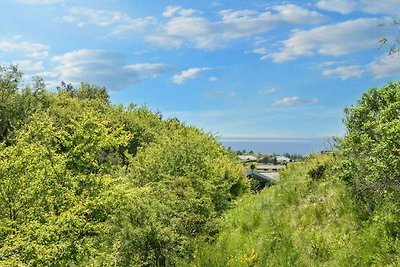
x=370 y=156
x=87 y=183
x=320 y=167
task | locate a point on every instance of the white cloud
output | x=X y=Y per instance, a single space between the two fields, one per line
x=163 y=40
x=202 y=33
x=82 y=16
x=149 y=69
x=212 y=79
x=260 y=51
x=179 y=11
x=328 y=63
x=341 y=6
x=334 y=40
x=223 y=94
x=385 y=66
x=295 y=101
x=191 y=73
x=345 y=72
x=132 y=25
x=391 y=7
x=51 y=77
x=170 y=11
x=101 y=67
x=296 y=14
x=28 y=66
x=40 y=2
x=120 y=22
x=382 y=67
x=33 y=50
x=381 y=7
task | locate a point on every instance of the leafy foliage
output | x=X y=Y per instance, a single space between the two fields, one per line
x=87 y=183
x=18 y=102
x=371 y=148
x=84 y=182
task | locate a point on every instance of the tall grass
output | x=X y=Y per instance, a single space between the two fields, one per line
x=304 y=220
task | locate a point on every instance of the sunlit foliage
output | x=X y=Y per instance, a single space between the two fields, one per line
x=84 y=182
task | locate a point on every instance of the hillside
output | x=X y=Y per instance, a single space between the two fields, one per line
x=301 y=221
x=84 y=182
x=341 y=209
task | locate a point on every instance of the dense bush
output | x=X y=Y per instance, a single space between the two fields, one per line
x=371 y=155
x=84 y=182
x=320 y=167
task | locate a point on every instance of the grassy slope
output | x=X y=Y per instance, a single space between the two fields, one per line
x=298 y=222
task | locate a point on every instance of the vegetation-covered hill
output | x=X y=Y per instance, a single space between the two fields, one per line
x=341 y=209
x=87 y=183
x=301 y=221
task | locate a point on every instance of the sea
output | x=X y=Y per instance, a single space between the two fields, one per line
x=300 y=146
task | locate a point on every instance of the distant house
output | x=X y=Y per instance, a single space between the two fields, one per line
x=247 y=158
x=262 y=178
x=282 y=159
x=269 y=167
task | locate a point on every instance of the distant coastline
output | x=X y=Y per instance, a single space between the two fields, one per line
x=301 y=146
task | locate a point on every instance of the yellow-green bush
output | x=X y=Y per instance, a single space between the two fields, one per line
x=87 y=183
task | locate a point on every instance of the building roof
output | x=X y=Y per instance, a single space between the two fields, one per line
x=262 y=177
x=269 y=167
x=282 y=158
x=245 y=158
x=273 y=175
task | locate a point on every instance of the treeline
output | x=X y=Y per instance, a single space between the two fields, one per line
x=338 y=209
x=84 y=182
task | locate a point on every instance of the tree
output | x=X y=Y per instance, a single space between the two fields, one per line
x=66 y=88
x=18 y=102
x=370 y=155
x=88 y=91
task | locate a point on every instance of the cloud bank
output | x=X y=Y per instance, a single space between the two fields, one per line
x=105 y=68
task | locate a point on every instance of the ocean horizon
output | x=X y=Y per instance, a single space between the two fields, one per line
x=301 y=146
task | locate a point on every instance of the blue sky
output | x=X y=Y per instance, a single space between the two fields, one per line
x=235 y=68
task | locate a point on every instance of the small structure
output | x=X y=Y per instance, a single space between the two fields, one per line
x=262 y=178
x=247 y=158
x=283 y=160
x=269 y=167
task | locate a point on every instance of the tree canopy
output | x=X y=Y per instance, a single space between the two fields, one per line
x=84 y=182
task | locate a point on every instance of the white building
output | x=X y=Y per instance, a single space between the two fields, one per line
x=282 y=159
x=247 y=158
